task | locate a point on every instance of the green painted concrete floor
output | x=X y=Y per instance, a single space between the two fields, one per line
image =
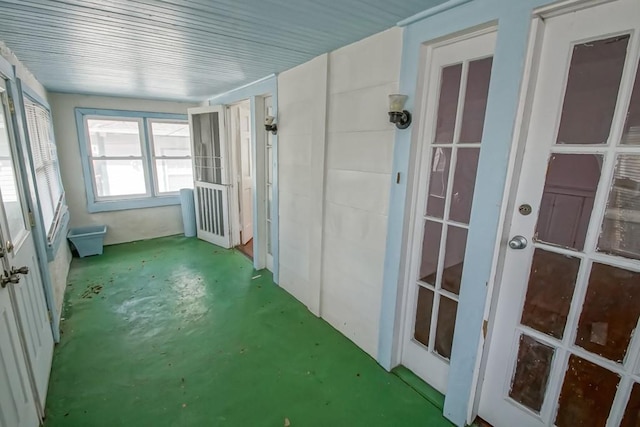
x=177 y=332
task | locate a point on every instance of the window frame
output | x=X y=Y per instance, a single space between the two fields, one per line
x=57 y=231
x=154 y=156
x=152 y=198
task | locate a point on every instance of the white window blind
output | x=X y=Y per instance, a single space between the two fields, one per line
x=45 y=158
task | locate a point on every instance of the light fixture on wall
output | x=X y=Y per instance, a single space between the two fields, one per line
x=397 y=113
x=269 y=126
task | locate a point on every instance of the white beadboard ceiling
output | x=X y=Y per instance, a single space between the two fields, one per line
x=183 y=50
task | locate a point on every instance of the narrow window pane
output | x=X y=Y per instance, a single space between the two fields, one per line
x=422 y=325
x=529 y=383
x=207 y=148
x=631 y=135
x=173 y=174
x=114 y=138
x=592 y=91
x=621 y=226
x=11 y=200
x=269 y=165
x=438 y=180
x=171 y=139
x=119 y=178
x=454 y=258
x=610 y=311
x=475 y=100
x=269 y=201
x=567 y=201
x=549 y=293
x=430 y=250
x=587 y=394
x=269 y=245
x=448 y=103
x=464 y=181
x=632 y=413
x=446 y=326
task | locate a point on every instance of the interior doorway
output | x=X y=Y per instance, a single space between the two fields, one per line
x=242 y=165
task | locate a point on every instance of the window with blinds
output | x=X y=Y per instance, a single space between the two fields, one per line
x=47 y=171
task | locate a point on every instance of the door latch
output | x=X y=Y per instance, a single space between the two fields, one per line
x=21 y=270
x=9 y=278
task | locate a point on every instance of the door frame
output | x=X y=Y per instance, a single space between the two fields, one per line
x=516 y=159
x=256 y=92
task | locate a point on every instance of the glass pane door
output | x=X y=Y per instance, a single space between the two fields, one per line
x=460 y=75
x=9 y=185
x=573 y=293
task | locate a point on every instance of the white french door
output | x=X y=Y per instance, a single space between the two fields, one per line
x=457 y=77
x=210 y=174
x=26 y=338
x=563 y=349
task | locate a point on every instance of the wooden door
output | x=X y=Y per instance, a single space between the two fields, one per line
x=211 y=181
x=457 y=77
x=563 y=349
x=245 y=174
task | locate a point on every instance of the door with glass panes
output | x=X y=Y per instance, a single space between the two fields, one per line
x=456 y=87
x=563 y=349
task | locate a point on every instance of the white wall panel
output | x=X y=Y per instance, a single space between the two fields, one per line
x=336 y=145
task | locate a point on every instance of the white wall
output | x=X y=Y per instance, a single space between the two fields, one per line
x=126 y=225
x=352 y=140
x=301 y=142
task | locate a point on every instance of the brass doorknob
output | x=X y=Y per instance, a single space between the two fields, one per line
x=9 y=246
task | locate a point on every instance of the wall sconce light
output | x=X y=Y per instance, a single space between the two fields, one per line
x=269 y=126
x=397 y=113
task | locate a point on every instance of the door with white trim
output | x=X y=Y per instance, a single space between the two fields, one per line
x=21 y=269
x=456 y=87
x=269 y=159
x=563 y=347
x=210 y=174
x=241 y=124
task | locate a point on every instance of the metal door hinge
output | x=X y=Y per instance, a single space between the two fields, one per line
x=12 y=107
x=50 y=316
x=32 y=219
x=485 y=325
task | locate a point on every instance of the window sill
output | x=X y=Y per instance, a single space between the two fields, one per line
x=122 y=205
x=60 y=236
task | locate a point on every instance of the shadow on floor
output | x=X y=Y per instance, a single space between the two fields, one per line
x=177 y=332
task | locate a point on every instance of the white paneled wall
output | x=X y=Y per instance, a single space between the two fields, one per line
x=339 y=103
x=301 y=146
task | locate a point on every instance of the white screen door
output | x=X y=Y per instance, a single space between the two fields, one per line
x=563 y=349
x=21 y=264
x=210 y=174
x=456 y=88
